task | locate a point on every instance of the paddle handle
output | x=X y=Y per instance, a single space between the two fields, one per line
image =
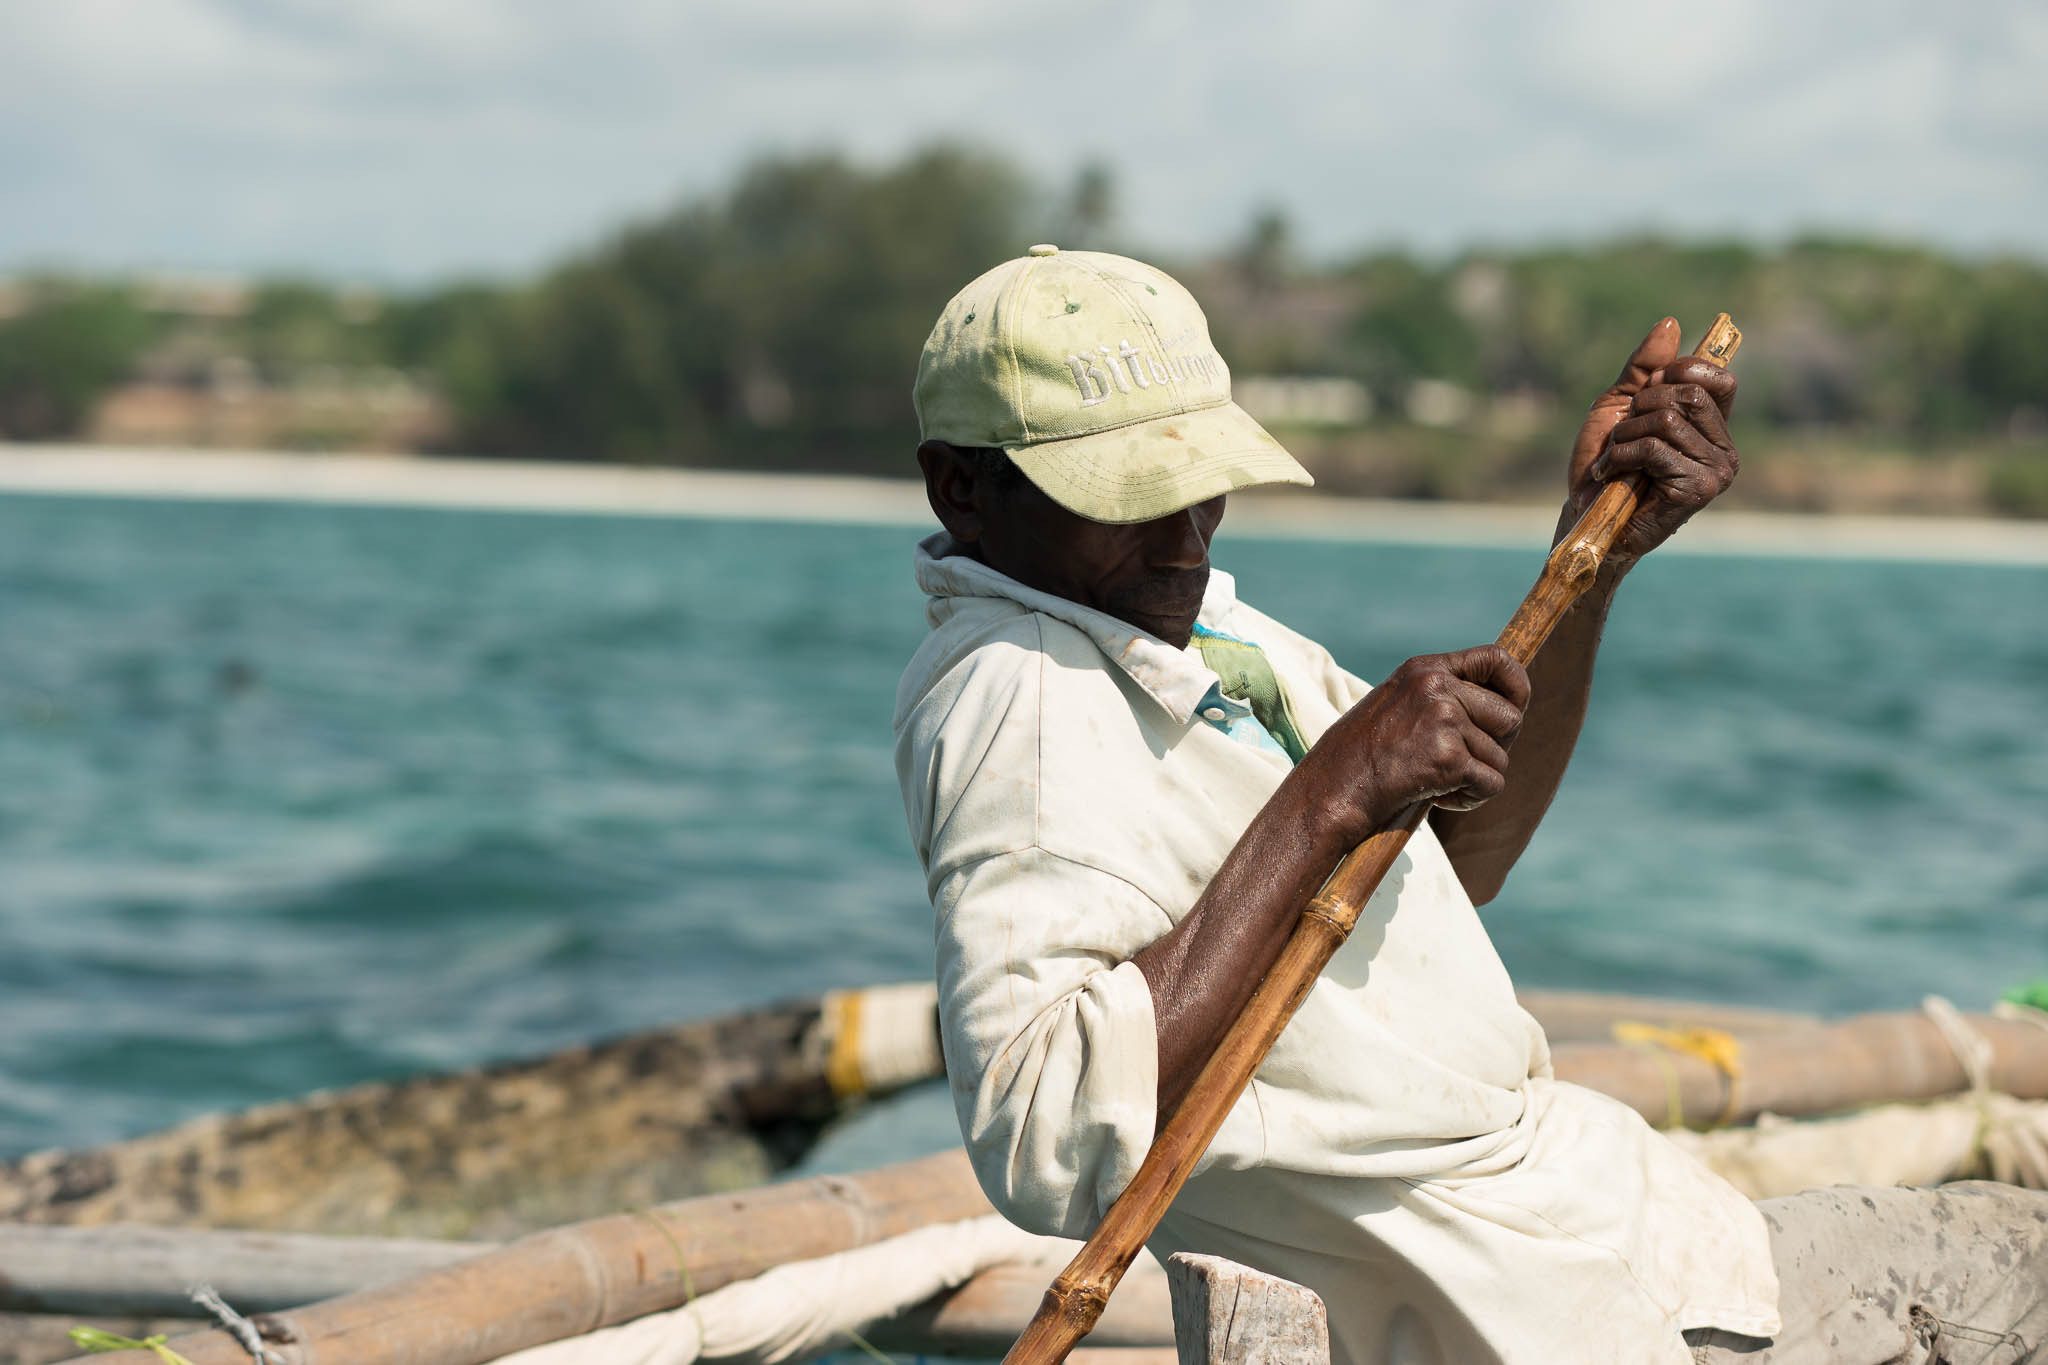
x=1077 y=1297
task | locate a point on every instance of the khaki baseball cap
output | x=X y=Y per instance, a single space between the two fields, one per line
x=1095 y=373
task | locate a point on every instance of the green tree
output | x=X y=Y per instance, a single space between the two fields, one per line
x=72 y=343
x=777 y=327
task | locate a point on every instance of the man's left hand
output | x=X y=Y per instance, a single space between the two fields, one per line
x=1666 y=418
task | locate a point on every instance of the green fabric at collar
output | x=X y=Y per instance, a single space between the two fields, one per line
x=1246 y=674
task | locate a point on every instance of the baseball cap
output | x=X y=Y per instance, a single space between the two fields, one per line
x=1096 y=374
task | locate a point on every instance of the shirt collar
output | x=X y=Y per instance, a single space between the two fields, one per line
x=1175 y=678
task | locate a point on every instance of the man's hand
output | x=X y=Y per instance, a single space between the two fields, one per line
x=1665 y=418
x=1438 y=729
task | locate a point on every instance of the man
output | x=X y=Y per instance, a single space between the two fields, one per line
x=1123 y=782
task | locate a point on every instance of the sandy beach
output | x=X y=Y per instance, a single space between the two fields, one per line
x=623 y=490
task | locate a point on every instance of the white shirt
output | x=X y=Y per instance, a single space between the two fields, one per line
x=1403 y=1150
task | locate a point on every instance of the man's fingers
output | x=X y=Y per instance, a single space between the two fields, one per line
x=1493 y=669
x=1693 y=402
x=1478 y=774
x=1690 y=369
x=1493 y=713
x=1639 y=445
x=1486 y=750
x=1651 y=456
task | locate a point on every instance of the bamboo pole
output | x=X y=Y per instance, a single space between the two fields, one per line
x=1077 y=1297
x=1872 y=1058
x=1590 y=1017
x=575 y=1279
x=146 y=1271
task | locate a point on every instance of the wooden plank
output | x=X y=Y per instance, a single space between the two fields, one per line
x=1228 y=1314
x=125 y=1271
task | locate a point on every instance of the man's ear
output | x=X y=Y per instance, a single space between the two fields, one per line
x=953 y=490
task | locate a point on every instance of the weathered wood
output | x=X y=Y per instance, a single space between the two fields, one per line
x=131 y=1271
x=1228 y=1314
x=573 y=1280
x=1077 y=1295
x=41 y=1340
x=722 y=1104
x=1822 y=1070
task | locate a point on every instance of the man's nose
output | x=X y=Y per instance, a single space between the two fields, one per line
x=1178 y=542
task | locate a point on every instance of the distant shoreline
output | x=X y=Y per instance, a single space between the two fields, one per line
x=629 y=490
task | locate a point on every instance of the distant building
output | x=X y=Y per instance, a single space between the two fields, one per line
x=1304 y=400
x=1438 y=403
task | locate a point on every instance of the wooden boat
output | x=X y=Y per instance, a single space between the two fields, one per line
x=727 y=1103
x=488 y=1153
x=715 y=1105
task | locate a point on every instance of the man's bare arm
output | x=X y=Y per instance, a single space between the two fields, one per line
x=1665 y=417
x=1431 y=731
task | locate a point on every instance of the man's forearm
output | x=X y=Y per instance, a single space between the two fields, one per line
x=1431 y=731
x=1483 y=844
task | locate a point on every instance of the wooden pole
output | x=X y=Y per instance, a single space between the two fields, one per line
x=136 y=1271
x=1077 y=1297
x=572 y=1280
x=1870 y=1059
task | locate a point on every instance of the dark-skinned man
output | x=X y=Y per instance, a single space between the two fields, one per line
x=1123 y=782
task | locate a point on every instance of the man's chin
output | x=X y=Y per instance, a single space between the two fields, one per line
x=1176 y=629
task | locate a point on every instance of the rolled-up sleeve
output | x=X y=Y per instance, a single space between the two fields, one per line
x=1048 y=1030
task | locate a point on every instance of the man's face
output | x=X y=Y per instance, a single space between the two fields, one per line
x=1149 y=574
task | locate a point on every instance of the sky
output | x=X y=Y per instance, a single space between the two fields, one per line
x=408 y=141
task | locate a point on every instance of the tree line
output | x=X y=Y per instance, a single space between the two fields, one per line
x=776 y=325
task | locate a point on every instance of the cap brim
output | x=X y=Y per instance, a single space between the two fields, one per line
x=1149 y=469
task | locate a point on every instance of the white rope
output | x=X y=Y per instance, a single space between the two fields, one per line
x=1972 y=1048
x=806 y=1307
x=2011 y=1137
x=234 y=1324
x=883 y=1037
x=2020 y=1014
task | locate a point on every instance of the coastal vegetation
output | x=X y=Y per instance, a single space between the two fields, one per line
x=774 y=325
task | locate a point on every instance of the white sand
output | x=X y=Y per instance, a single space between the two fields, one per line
x=621 y=490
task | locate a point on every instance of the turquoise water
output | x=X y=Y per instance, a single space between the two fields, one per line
x=295 y=796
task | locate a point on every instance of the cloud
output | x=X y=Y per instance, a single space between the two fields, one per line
x=390 y=139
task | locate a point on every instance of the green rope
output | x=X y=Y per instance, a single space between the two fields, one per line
x=2034 y=994
x=96 y=1341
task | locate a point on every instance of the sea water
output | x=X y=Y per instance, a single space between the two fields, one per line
x=295 y=796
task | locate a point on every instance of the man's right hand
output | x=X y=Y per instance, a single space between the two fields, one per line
x=1438 y=729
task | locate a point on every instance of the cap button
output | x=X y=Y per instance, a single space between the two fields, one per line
x=1045 y=249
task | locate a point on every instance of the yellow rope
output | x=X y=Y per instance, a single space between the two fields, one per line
x=842 y=1064
x=1716 y=1047
x=96 y=1341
